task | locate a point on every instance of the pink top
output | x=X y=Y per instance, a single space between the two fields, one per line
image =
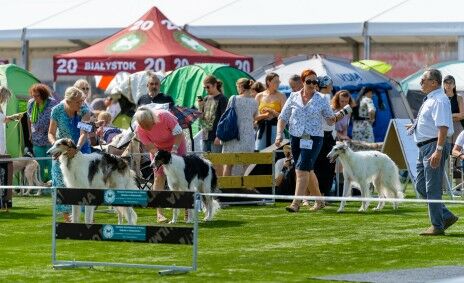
x=160 y=134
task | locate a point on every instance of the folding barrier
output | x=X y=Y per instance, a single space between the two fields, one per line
x=248 y=181
x=126 y=233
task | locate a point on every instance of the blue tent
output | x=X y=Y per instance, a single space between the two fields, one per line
x=349 y=77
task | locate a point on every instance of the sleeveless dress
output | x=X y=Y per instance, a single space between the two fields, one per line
x=362 y=129
x=246 y=108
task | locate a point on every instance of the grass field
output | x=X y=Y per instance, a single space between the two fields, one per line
x=244 y=243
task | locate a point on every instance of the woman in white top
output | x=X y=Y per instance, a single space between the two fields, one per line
x=5 y=94
x=304 y=112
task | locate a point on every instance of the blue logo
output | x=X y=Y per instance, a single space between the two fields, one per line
x=109 y=196
x=350 y=77
x=108 y=232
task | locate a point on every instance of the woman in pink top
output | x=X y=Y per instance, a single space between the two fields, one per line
x=159 y=129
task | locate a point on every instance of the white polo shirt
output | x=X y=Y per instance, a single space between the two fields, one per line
x=435 y=112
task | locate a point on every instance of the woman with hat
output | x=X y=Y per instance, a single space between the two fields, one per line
x=457 y=105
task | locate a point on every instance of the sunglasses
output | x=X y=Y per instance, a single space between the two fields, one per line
x=309 y=82
x=85 y=89
x=207 y=87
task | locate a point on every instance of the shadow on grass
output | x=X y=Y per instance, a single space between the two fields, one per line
x=14 y=214
x=385 y=211
x=455 y=235
x=221 y=224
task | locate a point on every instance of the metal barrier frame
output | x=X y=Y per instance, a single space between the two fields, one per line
x=164 y=269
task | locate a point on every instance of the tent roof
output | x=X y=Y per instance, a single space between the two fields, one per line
x=151 y=42
x=258 y=20
x=454 y=68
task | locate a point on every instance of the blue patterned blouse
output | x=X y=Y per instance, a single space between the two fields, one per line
x=67 y=126
x=305 y=119
x=39 y=129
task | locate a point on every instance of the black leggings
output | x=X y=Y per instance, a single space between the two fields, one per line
x=324 y=170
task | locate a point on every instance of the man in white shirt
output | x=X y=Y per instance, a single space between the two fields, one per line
x=433 y=125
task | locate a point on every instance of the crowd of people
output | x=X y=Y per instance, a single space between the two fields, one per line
x=312 y=114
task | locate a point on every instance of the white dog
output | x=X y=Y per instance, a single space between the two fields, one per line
x=94 y=171
x=189 y=173
x=365 y=167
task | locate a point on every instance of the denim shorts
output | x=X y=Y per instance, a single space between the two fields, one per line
x=305 y=158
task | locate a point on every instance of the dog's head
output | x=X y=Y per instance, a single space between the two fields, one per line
x=337 y=150
x=60 y=147
x=162 y=157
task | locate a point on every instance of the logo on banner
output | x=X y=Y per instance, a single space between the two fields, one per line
x=128 y=42
x=108 y=231
x=189 y=42
x=109 y=196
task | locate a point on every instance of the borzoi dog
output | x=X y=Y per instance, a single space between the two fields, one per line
x=189 y=173
x=94 y=171
x=365 y=167
x=31 y=172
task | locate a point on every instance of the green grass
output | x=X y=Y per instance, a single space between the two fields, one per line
x=244 y=243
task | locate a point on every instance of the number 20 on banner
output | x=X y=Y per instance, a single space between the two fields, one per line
x=66 y=66
x=243 y=65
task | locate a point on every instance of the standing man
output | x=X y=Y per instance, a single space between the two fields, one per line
x=154 y=95
x=295 y=83
x=433 y=125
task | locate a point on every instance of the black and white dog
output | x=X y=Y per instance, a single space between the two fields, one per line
x=94 y=171
x=189 y=173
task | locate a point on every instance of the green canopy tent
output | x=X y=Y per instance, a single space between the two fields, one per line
x=18 y=81
x=186 y=83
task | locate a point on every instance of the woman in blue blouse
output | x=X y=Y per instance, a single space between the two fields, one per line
x=304 y=112
x=39 y=109
x=63 y=124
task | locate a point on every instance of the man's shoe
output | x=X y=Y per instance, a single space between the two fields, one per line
x=432 y=231
x=450 y=221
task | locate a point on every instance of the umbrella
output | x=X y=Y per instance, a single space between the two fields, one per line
x=376 y=65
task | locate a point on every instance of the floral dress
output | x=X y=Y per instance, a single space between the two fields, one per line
x=246 y=109
x=66 y=128
x=362 y=129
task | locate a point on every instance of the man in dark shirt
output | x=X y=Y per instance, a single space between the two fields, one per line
x=154 y=95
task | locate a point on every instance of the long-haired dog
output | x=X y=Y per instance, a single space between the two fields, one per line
x=365 y=167
x=94 y=171
x=189 y=173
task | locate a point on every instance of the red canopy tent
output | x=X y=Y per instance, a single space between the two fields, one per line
x=152 y=42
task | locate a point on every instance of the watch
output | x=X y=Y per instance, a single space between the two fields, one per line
x=439 y=147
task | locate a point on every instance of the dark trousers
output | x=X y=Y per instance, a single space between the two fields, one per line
x=324 y=170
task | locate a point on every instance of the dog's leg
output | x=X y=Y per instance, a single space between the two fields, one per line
x=76 y=213
x=175 y=213
x=364 y=187
x=89 y=212
x=381 y=191
x=346 y=193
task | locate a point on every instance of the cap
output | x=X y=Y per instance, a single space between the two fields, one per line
x=324 y=81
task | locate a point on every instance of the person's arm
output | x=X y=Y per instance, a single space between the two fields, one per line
x=52 y=131
x=459 y=116
x=177 y=142
x=436 y=156
x=457 y=152
x=281 y=123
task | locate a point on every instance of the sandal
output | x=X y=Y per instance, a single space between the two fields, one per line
x=293 y=208
x=317 y=206
x=161 y=219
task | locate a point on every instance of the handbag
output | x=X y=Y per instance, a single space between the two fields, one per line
x=227 y=128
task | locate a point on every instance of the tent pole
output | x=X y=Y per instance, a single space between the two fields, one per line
x=461 y=47
x=24 y=50
x=367 y=42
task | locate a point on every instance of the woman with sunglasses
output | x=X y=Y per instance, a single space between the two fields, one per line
x=364 y=116
x=304 y=112
x=84 y=86
x=270 y=104
x=457 y=105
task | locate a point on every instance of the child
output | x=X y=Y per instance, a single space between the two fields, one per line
x=106 y=131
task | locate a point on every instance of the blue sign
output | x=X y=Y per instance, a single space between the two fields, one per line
x=124 y=232
x=125 y=197
x=350 y=77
